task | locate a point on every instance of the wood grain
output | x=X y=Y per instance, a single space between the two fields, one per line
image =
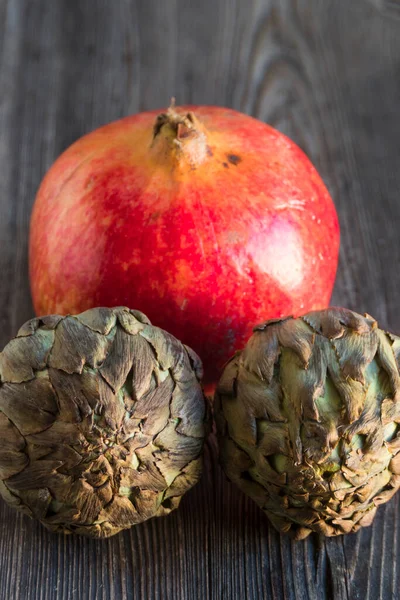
x=327 y=73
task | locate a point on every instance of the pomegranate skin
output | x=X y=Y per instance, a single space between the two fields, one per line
x=209 y=226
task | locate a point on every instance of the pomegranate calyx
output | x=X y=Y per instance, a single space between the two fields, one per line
x=181 y=137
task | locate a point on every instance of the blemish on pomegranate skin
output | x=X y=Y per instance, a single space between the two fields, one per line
x=226 y=165
x=90 y=183
x=234 y=159
x=105 y=221
x=154 y=216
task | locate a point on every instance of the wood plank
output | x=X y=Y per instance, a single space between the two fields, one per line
x=327 y=73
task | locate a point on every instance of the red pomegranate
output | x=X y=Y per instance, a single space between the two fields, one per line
x=206 y=219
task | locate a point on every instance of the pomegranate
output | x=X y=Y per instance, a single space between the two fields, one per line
x=204 y=218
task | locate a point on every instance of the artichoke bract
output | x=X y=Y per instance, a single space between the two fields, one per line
x=101 y=421
x=308 y=421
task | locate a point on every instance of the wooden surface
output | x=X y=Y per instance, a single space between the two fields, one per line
x=327 y=73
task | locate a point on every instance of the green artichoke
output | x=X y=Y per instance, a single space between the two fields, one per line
x=308 y=421
x=101 y=419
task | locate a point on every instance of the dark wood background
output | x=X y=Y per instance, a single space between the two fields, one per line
x=327 y=73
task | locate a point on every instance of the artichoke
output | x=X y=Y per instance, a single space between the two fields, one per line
x=101 y=419
x=308 y=421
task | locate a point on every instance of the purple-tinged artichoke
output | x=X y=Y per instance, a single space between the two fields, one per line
x=101 y=421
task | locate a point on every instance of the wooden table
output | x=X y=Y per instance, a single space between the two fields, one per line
x=325 y=72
